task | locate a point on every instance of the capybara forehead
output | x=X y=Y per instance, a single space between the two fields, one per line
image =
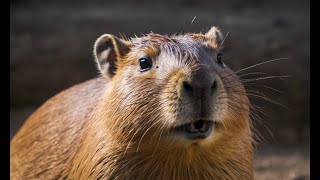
x=190 y=44
x=157 y=40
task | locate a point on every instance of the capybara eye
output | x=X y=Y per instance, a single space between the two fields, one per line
x=145 y=64
x=219 y=59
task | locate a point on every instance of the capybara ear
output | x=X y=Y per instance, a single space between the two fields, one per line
x=214 y=36
x=108 y=50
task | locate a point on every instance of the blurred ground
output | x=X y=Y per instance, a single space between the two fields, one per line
x=51 y=49
x=290 y=163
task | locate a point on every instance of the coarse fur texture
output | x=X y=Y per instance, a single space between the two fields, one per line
x=122 y=124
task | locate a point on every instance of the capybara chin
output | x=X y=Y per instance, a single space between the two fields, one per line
x=164 y=107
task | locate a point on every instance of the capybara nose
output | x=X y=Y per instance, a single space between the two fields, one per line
x=202 y=85
x=201 y=90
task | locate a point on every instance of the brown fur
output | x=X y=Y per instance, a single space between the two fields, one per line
x=119 y=125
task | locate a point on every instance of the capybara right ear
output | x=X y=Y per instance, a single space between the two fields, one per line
x=214 y=36
x=108 y=50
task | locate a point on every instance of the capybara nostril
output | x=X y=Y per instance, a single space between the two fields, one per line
x=188 y=88
x=213 y=87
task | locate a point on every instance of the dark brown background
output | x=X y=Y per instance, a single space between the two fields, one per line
x=52 y=41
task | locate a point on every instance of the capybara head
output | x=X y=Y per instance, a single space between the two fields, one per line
x=171 y=90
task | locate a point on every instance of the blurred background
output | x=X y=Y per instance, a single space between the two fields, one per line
x=51 y=46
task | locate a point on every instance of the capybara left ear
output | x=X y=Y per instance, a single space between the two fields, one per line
x=108 y=50
x=214 y=36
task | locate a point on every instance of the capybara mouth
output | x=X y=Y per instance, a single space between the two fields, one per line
x=197 y=130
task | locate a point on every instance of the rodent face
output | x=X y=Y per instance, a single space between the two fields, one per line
x=174 y=88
